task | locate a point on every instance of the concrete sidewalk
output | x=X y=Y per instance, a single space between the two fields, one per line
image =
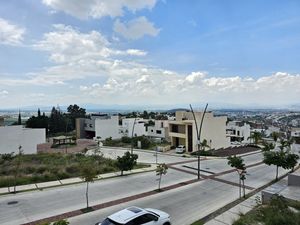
x=280 y=187
x=49 y=184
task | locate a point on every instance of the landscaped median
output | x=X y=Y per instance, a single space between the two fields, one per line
x=38 y=171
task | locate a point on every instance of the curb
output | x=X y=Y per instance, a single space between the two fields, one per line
x=62 y=184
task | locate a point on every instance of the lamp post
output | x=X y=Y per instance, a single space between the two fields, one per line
x=132 y=135
x=198 y=135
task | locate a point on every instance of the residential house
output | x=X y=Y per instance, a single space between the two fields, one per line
x=183 y=131
x=238 y=131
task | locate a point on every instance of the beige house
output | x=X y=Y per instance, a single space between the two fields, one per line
x=182 y=130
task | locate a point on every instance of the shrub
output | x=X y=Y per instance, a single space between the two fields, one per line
x=73 y=169
x=126 y=140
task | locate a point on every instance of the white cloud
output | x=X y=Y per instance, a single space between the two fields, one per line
x=10 y=34
x=66 y=44
x=158 y=87
x=84 y=9
x=136 y=28
x=136 y=52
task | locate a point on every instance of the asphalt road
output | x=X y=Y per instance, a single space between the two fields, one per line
x=185 y=204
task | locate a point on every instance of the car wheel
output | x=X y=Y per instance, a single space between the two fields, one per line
x=167 y=223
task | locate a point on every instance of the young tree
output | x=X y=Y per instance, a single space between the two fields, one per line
x=161 y=169
x=238 y=164
x=17 y=164
x=126 y=162
x=88 y=173
x=282 y=159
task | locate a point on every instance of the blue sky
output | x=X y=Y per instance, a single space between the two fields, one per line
x=149 y=52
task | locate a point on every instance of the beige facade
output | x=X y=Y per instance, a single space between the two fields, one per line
x=183 y=131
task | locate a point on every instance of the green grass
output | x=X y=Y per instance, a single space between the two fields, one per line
x=197 y=223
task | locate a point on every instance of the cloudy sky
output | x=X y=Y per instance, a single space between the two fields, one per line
x=149 y=52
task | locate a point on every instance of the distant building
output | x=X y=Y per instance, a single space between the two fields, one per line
x=238 y=131
x=295 y=132
x=11 y=137
x=182 y=131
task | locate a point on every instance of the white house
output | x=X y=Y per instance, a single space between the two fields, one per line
x=182 y=131
x=11 y=137
x=139 y=128
x=160 y=129
x=98 y=125
x=238 y=131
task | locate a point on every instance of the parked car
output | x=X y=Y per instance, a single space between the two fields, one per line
x=180 y=149
x=137 y=216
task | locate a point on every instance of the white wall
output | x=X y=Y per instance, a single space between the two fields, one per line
x=106 y=128
x=139 y=127
x=161 y=126
x=11 y=137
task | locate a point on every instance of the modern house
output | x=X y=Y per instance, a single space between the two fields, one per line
x=98 y=125
x=238 y=131
x=12 y=137
x=160 y=129
x=183 y=131
x=137 y=125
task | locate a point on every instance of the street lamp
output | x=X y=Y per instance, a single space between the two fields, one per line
x=198 y=135
x=132 y=135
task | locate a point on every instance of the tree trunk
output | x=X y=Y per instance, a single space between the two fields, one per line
x=159 y=182
x=276 y=173
x=240 y=194
x=121 y=172
x=87 y=194
x=244 y=195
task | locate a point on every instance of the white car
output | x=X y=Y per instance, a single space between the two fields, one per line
x=180 y=149
x=137 y=216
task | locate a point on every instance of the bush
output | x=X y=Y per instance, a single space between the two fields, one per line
x=126 y=140
x=73 y=169
x=29 y=170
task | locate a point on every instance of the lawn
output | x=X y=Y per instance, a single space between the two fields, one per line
x=44 y=167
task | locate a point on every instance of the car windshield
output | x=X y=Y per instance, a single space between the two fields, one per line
x=108 y=221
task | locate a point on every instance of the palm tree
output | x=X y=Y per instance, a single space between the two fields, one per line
x=256 y=136
x=275 y=136
x=268 y=146
x=204 y=144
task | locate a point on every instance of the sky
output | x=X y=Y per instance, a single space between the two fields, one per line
x=152 y=53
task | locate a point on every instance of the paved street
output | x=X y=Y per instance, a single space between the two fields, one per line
x=185 y=204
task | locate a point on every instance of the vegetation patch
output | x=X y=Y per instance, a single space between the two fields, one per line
x=42 y=167
x=278 y=211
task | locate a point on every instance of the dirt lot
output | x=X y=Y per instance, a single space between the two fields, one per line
x=235 y=150
x=79 y=147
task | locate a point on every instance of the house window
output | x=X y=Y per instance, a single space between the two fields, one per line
x=158 y=131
